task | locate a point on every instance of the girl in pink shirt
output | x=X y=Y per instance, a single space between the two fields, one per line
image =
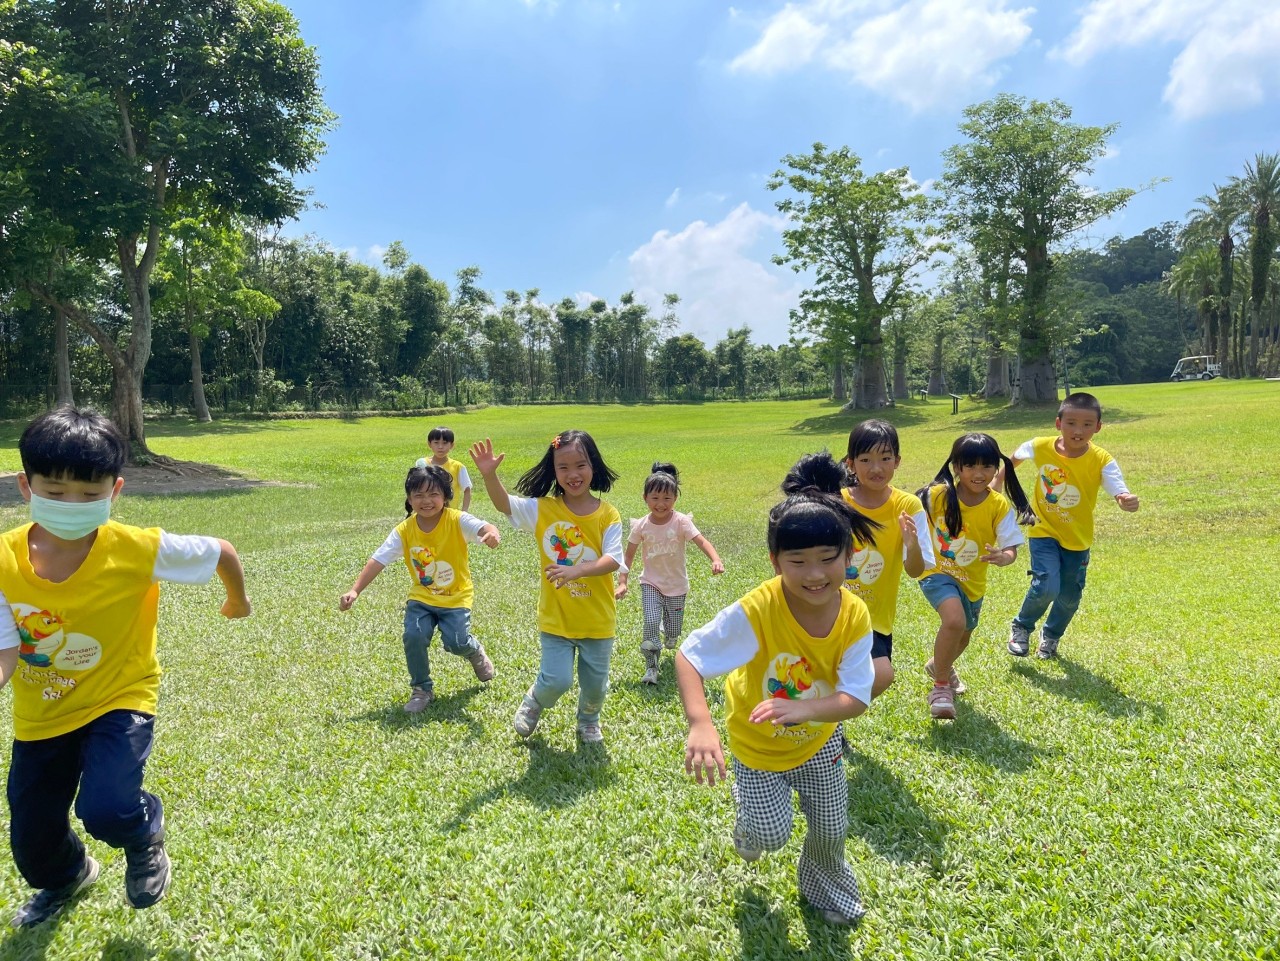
x=664 y=583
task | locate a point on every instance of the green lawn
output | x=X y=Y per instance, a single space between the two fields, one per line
x=1120 y=802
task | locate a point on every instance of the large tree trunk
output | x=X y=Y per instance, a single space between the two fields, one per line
x=900 y=389
x=1036 y=383
x=838 y=389
x=197 y=380
x=62 y=359
x=937 y=376
x=1255 y=324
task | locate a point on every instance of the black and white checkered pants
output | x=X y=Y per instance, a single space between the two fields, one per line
x=664 y=611
x=763 y=799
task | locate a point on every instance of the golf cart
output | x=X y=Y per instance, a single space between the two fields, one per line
x=1203 y=367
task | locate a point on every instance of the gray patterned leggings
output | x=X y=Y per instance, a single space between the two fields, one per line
x=664 y=611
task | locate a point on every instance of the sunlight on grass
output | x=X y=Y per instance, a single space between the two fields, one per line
x=1120 y=802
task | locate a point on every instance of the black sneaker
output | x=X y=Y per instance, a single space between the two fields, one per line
x=146 y=873
x=45 y=904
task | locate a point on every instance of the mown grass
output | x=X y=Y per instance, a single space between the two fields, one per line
x=1120 y=802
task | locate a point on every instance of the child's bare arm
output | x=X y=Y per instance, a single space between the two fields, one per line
x=371 y=570
x=560 y=575
x=8 y=664
x=702 y=751
x=997 y=482
x=704 y=545
x=628 y=559
x=466 y=498
x=231 y=573
x=913 y=561
x=834 y=707
x=487 y=462
x=489 y=536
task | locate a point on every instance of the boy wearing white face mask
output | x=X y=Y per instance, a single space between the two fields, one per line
x=80 y=648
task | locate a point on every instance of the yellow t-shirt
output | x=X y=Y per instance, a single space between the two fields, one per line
x=438 y=563
x=979 y=526
x=875 y=571
x=454 y=467
x=88 y=644
x=584 y=608
x=790 y=663
x=1066 y=492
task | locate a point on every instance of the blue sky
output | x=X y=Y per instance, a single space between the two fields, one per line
x=590 y=147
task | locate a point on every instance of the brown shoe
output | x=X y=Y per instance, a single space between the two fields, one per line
x=419 y=700
x=481 y=664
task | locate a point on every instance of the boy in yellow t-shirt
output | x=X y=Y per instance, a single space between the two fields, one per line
x=440 y=440
x=81 y=651
x=1070 y=469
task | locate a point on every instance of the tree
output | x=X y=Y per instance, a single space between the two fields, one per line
x=1016 y=189
x=114 y=116
x=1258 y=193
x=863 y=237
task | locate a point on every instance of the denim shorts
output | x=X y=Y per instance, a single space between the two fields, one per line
x=938 y=587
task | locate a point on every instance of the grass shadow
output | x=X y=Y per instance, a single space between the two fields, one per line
x=450 y=707
x=1078 y=683
x=885 y=814
x=32 y=944
x=977 y=736
x=905 y=413
x=118 y=949
x=766 y=936
x=553 y=779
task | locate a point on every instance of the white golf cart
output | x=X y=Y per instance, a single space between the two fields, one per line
x=1203 y=367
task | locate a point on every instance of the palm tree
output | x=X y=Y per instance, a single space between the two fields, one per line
x=1194 y=279
x=1258 y=192
x=1213 y=221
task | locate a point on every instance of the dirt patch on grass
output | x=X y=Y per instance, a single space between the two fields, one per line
x=153 y=480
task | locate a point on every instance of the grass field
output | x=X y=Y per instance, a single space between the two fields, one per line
x=1120 y=802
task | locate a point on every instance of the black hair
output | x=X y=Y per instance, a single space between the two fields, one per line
x=814 y=514
x=1081 y=401
x=73 y=443
x=663 y=478
x=540 y=479
x=427 y=478
x=871 y=435
x=440 y=433
x=970 y=449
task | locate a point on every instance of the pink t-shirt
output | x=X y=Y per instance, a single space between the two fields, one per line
x=662 y=551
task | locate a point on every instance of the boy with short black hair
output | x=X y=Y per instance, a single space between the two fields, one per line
x=440 y=440
x=1070 y=469
x=81 y=651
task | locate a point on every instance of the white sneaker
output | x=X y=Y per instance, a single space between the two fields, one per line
x=589 y=732
x=650 y=676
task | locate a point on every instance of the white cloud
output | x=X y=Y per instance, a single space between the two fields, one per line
x=1228 y=61
x=721 y=275
x=376 y=253
x=673 y=199
x=918 y=52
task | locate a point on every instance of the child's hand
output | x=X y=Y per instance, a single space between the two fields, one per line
x=347 y=599
x=620 y=591
x=1127 y=502
x=485 y=459
x=559 y=574
x=907 y=525
x=717 y=567
x=703 y=753
x=1001 y=558
x=779 y=710
x=489 y=537
x=234 y=607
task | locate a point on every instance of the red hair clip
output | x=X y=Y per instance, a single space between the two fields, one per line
x=555 y=442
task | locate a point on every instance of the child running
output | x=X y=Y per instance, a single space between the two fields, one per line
x=902 y=541
x=797 y=652
x=665 y=582
x=440 y=440
x=84 y=591
x=579 y=539
x=973 y=526
x=1070 y=469
x=432 y=542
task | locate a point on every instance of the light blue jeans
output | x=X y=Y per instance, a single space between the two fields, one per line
x=420 y=623
x=1057 y=579
x=555 y=673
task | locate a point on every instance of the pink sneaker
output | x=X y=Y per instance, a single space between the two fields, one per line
x=957 y=685
x=942 y=703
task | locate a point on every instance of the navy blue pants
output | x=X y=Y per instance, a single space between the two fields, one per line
x=104 y=761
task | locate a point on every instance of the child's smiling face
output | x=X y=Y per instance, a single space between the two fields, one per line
x=874 y=468
x=573 y=470
x=1077 y=427
x=661 y=503
x=427 y=502
x=814 y=576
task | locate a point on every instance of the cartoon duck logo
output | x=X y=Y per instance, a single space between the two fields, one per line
x=856 y=563
x=565 y=542
x=946 y=543
x=791 y=678
x=41 y=634
x=423 y=563
x=1054 y=479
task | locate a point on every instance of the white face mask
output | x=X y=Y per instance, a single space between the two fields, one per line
x=70 y=520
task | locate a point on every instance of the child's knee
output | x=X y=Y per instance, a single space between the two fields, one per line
x=460 y=644
x=830 y=831
x=767 y=834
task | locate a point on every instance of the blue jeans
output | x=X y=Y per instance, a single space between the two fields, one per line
x=555 y=673
x=420 y=623
x=1057 y=579
x=938 y=587
x=102 y=761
